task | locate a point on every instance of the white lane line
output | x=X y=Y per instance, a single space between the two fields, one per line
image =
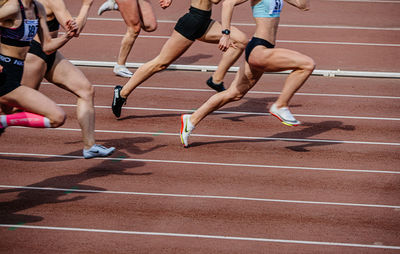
x=251 y=92
x=207 y=163
x=217 y=237
x=280 y=25
x=259 y=139
x=280 y=41
x=200 y=197
x=245 y=113
x=366 y=1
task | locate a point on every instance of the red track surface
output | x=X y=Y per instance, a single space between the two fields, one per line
x=247 y=184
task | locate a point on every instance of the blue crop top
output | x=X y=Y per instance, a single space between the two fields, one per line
x=267 y=9
x=22 y=35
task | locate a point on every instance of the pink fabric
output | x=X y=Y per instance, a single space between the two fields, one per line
x=27 y=119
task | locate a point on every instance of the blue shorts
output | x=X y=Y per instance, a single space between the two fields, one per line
x=267 y=9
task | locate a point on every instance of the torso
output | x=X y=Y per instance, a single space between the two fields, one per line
x=20 y=30
x=267 y=25
x=205 y=5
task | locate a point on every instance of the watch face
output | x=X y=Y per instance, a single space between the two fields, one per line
x=226 y=31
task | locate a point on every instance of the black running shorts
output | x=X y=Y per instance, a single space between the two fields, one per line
x=36 y=49
x=11 y=75
x=194 y=24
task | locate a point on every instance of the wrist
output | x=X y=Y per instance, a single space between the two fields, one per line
x=226 y=32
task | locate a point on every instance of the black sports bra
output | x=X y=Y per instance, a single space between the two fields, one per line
x=22 y=35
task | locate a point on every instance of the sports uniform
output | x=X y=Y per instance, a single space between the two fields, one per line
x=36 y=47
x=194 y=24
x=263 y=9
x=22 y=36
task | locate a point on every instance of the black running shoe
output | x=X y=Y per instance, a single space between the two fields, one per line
x=217 y=87
x=118 y=101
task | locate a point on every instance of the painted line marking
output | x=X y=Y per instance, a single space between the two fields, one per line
x=210 y=163
x=202 y=197
x=253 y=92
x=245 y=113
x=12 y=228
x=280 y=25
x=356 y=245
x=278 y=41
x=301 y=140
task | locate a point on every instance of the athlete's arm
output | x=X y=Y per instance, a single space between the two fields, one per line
x=226 y=18
x=8 y=10
x=50 y=45
x=303 y=5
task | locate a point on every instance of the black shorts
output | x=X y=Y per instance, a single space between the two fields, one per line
x=36 y=49
x=10 y=77
x=194 y=24
x=256 y=42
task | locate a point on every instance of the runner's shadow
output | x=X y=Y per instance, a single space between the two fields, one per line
x=192 y=59
x=127 y=144
x=10 y=211
x=312 y=129
x=259 y=105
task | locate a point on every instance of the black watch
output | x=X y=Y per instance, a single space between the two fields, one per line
x=226 y=31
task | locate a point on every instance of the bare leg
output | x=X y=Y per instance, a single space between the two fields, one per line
x=137 y=14
x=27 y=99
x=271 y=60
x=231 y=55
x=172 y=49
x=244 y=80
x=65 y=75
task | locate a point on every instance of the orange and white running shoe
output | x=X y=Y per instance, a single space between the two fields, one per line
x=186 y=128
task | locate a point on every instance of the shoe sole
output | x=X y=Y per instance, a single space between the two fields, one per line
x=182 y=129
x=283 y=121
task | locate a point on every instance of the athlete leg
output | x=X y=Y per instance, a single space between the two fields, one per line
x=65 y=75
x=33 y=101
x=278 y=59
x=34 y=71
x=230 y=56
x=244 y=80
x=172 y=49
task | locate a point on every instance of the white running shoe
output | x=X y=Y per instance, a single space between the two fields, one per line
x=98 y=151
x=121 y=70
x=186 y=128
x=108 y=5
x=284 y=115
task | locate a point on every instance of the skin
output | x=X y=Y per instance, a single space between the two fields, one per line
x=261 y=60
x=178 y=44
x=24 y=97
x=138 y=15
x=63 y=73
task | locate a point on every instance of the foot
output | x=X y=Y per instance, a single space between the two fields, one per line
x=98 y=151
x=108 y=5
x=122 y=71
x=284 y=115
x=186 y=128
x=117 y=102
x=217 y=87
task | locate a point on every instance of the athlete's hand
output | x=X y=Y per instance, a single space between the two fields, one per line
x=72 y=28
x=165 y=3
x=225 y=43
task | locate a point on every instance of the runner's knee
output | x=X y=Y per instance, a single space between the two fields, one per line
x=150 y=27
x=58 y=118
x=309 y=65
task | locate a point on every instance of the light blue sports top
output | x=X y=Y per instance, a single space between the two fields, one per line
x=267 y=9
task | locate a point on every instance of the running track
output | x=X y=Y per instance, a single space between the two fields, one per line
x=247 y=184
